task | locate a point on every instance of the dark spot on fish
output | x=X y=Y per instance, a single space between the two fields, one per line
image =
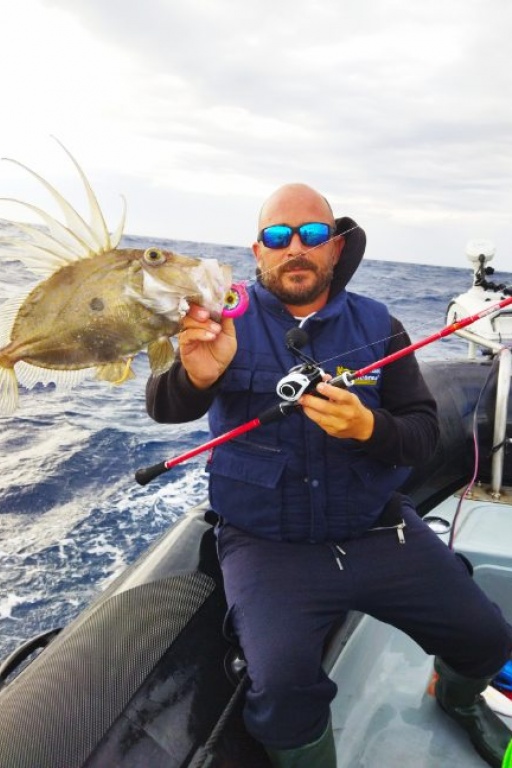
x=97 y=304
x=101 y=345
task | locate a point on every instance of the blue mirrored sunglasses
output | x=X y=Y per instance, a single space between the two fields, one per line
x=311 y=234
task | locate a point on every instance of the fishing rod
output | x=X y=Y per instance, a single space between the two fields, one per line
x=304 y=378
x=348 y=379
x=145 y=475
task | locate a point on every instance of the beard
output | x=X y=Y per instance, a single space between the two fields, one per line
x=299 y=290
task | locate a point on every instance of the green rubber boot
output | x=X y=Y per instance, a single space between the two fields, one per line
x=507 y=760
x=460 y=698
x=318 y=754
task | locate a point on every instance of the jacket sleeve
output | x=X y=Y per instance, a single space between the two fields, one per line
x=406 y=429
x=171 y=398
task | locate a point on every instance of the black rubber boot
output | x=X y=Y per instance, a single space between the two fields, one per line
x=318 y=754
x=460 y=697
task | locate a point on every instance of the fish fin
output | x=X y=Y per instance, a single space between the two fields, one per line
x=97 y=220
x=39 y=260
x=160 y=355
x=115 y=238
x=8 y=391
x=76 y=239
x=117 y=372
x=29 y=375
x=60 y=238
x=8 y=313
x=97 y=224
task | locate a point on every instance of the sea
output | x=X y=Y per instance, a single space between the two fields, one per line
x=72 y=516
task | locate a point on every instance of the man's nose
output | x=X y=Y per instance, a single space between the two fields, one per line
x=295 y=246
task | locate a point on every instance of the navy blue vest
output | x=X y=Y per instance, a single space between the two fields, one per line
x=288 y=479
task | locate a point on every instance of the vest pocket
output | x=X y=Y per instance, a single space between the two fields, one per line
x=245 y=488
x=236 y=380
x=371 y=485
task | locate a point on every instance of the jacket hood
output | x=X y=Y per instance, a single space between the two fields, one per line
x=351 y=255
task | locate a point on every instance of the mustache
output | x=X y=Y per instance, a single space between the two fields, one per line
x=299 y=262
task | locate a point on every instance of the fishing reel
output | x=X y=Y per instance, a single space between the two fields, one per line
x=301 y=378
x=298 y=381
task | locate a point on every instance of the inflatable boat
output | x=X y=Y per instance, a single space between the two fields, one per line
x=146 y=677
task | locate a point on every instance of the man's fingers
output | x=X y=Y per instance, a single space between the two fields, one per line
x=192 y=335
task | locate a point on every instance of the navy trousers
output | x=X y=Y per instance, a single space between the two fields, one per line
x=283 y=598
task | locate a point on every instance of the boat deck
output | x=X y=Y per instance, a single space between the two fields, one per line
x=384 y=714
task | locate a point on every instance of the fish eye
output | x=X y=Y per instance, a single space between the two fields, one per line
x=154 y=256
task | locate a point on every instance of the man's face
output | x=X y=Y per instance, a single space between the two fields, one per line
x=297 y=274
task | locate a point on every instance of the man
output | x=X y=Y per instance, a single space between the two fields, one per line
x=311 y=524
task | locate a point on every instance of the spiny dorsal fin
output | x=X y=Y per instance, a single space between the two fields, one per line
x=73 y=219
x=97 y=222
x=76 y=239
x=115 y=238
x=39 y=260
x=75 y=247
x=43 y=253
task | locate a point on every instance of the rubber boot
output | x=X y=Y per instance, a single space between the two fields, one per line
x=460 y=697
x=317 y=754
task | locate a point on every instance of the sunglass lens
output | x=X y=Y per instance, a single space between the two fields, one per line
x=314 y=233
x=280 y=235
x=277 y=236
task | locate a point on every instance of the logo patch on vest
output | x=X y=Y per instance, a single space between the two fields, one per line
x=369 y=379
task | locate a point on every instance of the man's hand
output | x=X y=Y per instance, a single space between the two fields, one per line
x=341 y=415
x=206 y=347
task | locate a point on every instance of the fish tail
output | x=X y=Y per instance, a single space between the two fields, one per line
x=8 y=388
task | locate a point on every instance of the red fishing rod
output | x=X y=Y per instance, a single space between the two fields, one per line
x=305 y=378
x=144 y=476
x=348 y=379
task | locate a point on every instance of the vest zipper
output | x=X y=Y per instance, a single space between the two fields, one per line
x=256 y=446
x=399 y=528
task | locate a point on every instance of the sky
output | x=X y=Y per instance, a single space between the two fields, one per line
x=399 y=112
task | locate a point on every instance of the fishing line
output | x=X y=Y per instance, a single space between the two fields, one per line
x=289 y=404
x=476 y=455
x=305 y=253
x=364 y=346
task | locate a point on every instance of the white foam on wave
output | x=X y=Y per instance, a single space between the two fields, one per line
x=144 y=514
x=43 y=530
x=8 y=602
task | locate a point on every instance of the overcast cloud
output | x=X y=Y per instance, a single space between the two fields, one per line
x=399 y=112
